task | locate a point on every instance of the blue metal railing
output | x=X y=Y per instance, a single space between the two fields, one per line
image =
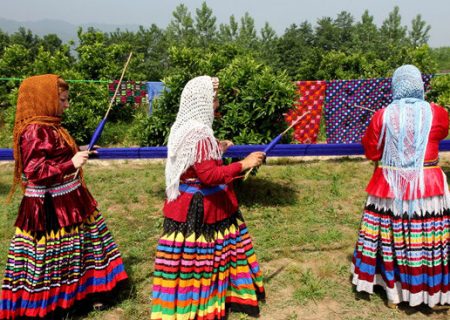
x=240 y=151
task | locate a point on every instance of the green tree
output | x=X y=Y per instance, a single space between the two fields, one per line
x=57 y=61
x=442 y=58
x=392 y=32
x=27 y=39
x=326 y=34
x=51 y=42
x=16 y=61
x=205 y=26
x=422 y=58
x=340 y=65
x=153 y=44
x=366 y=36
x=253 y=97
x=229 y=32
x=419 y=31
x=268 y=34
x=247 y=37
x=440 y=90
x=295 y=52
x=345 y=30
x=268 y=44
x=180 y=30
x=4 y=41
x=92 y=53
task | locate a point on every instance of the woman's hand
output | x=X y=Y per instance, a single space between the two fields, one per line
x=80 y=158
x=254 y=159
x=225 y=144
x=85 y=147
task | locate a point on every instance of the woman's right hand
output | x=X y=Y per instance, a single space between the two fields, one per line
x=254 y=159
x=80 y=158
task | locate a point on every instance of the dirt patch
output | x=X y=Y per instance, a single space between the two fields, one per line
x=316 y=310
x=114 y=314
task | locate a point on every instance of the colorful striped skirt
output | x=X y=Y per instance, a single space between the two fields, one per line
x=51 y=271
x=406 y=255
x=204 y=270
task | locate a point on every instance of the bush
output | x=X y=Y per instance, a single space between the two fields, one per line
x=252 y=96
x=440 y=90
x=88 y=104
x=6 y=126
x=253 y=99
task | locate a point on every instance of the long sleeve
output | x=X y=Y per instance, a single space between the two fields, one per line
x=441 y=121
x=372 y=136
x=45 y=157
x=211 y=173
x=47 y=165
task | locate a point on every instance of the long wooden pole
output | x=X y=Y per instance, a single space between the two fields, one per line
x=118 y=85
x=100 y=127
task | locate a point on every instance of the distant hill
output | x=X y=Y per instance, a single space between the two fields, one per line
x=65 y=31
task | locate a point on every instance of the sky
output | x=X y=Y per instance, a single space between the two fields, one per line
x=278 y=13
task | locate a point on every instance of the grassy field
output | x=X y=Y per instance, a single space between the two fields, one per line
x=303 y=217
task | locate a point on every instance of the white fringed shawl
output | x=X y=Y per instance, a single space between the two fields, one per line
x=191 y=137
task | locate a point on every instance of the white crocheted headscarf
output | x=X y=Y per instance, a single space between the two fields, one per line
x=406 y=127
x=191 y=137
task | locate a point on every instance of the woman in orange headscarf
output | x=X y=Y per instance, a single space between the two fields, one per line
x=61 y=251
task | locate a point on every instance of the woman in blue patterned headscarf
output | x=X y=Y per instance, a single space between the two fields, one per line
x=404 y=239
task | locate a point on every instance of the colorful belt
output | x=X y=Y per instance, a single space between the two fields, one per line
x=431 y=163
x=206 y=191
x=55 y=191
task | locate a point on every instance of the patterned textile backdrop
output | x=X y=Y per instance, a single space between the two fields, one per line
x=130 y=91
x=311 y=98
x=345 y=122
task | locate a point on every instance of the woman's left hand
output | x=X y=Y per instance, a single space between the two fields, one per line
x=93 y=150
x=225 y=144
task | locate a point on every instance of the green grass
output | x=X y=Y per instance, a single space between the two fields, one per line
x=311 y=287
x=303 y=217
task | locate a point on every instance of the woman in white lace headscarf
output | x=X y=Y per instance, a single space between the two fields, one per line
x=404 y=239
x=205 y=263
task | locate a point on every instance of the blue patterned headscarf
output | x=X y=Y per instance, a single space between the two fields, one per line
x=406 y=127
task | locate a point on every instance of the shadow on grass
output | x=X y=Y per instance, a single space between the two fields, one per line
x=274 y=274
x=4 y=189
x=256 y=191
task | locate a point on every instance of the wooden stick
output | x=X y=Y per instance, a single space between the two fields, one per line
x=295 y=122
x=118 y=85
x=361 y=107
x=247 y=174
x=113 y=98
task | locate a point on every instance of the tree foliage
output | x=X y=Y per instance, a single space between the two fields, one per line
x=256 y=68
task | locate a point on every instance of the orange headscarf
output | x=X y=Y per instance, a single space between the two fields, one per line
x=37 y=103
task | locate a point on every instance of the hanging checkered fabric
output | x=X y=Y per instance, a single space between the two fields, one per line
x=311 y=97
x=130 y=91
x=345 y=122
